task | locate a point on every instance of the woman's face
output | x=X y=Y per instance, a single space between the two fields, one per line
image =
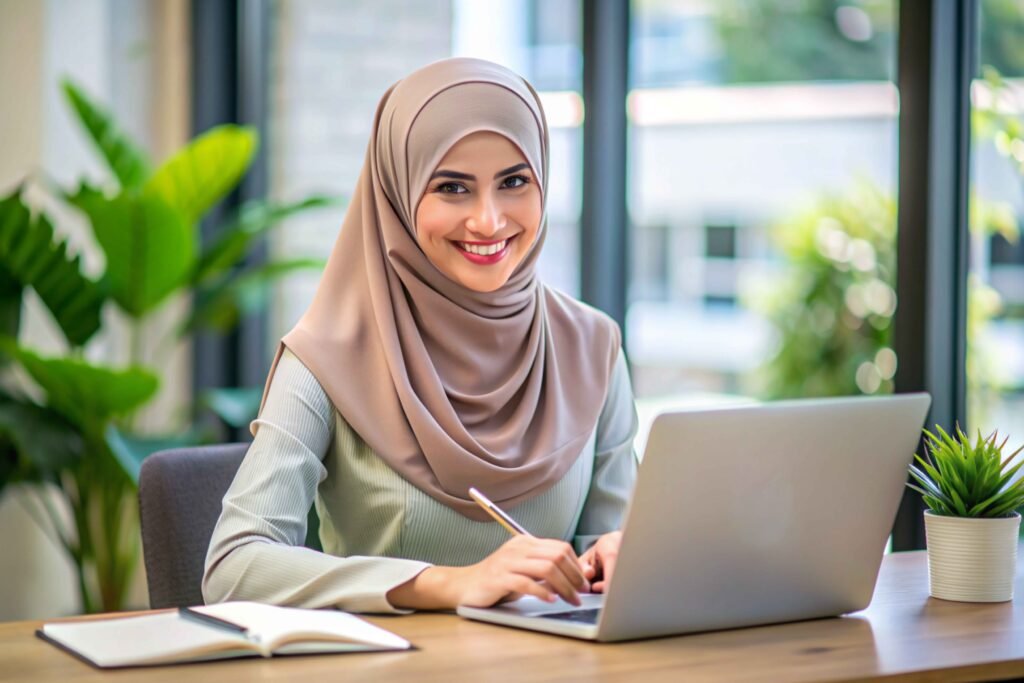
x=480 y=211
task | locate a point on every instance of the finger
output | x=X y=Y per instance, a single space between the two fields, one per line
x=550 y=573
x=562 y=554
x=524 y=585
x=608 y=560
x=586 y=563
x=570 y=565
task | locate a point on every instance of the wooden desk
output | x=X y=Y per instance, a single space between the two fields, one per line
x=904 y=635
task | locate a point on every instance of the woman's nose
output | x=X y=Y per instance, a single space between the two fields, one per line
x=487 y=218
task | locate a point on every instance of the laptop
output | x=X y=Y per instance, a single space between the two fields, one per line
x=745 y=516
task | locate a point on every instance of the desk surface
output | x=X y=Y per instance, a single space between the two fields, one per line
x=904 y=635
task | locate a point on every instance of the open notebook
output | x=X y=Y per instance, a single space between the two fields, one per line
x=236 y=629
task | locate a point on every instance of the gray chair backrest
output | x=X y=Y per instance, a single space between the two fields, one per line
x=180 y=494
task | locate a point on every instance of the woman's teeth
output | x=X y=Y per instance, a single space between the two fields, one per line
x=483 y=249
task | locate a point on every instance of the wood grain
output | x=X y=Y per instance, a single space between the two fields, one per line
x=903 y=636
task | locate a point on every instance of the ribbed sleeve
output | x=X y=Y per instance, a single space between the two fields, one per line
x=256 y=550
x=615 y=462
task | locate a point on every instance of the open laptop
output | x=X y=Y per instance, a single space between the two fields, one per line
x=749 y=515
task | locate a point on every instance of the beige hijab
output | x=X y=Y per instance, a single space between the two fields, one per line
x=451 y=387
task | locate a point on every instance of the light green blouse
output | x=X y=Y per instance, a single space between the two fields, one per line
x=378 y=530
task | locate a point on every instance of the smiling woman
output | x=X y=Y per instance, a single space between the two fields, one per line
x=481 y=212
x=434 y=359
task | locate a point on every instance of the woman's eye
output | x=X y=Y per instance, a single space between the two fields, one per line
x=451 y=188
x=515 y=181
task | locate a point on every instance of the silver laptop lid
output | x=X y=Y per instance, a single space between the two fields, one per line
x=761 y=514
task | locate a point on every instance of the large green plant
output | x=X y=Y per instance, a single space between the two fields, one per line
x=67 y=422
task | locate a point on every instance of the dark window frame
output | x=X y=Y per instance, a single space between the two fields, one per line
x=230 y=67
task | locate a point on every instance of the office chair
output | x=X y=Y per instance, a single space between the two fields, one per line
x=180 y=493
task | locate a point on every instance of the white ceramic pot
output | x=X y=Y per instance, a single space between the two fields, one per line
x=972 y=559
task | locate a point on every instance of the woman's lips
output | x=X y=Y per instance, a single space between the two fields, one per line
x=485 y=254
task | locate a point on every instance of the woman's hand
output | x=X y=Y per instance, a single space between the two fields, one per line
x=524 y=565
x=598 y=563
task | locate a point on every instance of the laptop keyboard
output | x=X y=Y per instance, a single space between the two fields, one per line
x=583 y=616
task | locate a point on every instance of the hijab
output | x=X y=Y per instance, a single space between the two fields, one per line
x=452 y=387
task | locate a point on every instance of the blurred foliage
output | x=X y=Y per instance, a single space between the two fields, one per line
x=995 y=118
x=833 y=308
x=1002 y=36
x=807 y=40
x=804 y=40
x=68 y=424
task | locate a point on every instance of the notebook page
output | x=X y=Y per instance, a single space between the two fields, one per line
x=149 y=639
x=277 y=625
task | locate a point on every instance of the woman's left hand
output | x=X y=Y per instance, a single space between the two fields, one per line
x=598 y=563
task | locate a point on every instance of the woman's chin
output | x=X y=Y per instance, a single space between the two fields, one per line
x=481 y=282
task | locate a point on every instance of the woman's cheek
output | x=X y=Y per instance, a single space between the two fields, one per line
x=436 y=221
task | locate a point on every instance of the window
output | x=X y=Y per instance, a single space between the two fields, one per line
x=763 y=136
x=995 y=300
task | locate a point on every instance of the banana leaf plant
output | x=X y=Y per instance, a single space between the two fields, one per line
x=66 y=423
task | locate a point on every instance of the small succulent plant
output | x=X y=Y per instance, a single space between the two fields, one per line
x=961 y=479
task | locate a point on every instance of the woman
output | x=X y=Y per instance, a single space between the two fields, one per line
x=432 y=359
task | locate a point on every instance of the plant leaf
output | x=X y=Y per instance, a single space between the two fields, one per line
x=205 y=170
x=30 y=254
x=86 y=394
x=125 y=159
x=958 y=504
x=253 y=220
x=10 y=302
x=150 y=249
x=44 y=439
x=131 y=450
x=220 y=306
x=235 y=406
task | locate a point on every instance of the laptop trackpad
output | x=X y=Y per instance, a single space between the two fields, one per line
x=530 y=606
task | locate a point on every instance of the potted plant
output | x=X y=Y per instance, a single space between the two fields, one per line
x=971 y=526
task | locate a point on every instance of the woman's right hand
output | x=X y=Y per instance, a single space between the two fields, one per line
x=524 y=565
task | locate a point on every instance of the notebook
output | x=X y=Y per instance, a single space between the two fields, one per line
x=227 y=630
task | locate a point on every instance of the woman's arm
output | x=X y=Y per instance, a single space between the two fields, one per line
x=256 y=550
x=615 y=462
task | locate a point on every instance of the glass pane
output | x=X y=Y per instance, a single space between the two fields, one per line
x=329 y=72
x=995 y=331
x=762 y=199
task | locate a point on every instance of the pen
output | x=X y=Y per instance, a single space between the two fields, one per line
x=500 y=516
x=209 y=620
x=503 y=518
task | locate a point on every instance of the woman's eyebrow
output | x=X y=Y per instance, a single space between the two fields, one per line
x=511 y=169
x=445 y=173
